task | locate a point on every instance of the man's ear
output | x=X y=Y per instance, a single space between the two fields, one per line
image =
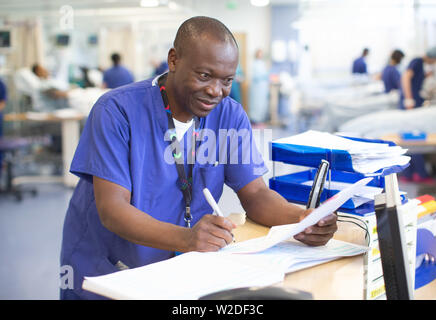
x=172 y=60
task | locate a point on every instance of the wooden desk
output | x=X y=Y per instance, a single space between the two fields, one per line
x=414 y=146
x=70 y=131
x=340 y=279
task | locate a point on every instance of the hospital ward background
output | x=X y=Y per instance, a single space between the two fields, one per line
x=357 y=68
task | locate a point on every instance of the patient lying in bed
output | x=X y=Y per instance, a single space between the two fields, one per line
x=48 y=94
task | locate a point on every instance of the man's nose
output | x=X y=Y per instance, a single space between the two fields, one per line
x=214 y=89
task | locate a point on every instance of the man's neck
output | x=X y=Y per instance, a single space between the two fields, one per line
x=177 y=112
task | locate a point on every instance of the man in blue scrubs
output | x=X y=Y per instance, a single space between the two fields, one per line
x=391 y=77
x=136 y=203
x=117 y=75
x=359 y=65
x=411 y=85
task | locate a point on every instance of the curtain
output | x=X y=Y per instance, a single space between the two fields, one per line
x=27 y=44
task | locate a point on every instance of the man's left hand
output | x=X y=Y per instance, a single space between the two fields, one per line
x=319 y=234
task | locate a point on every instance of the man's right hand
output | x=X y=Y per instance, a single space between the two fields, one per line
x=210 y=233
x=409 y=104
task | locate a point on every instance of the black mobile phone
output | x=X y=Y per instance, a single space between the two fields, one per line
x=318 y=185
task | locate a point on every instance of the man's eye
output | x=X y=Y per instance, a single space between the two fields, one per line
x=204 y=76
x=229 y=81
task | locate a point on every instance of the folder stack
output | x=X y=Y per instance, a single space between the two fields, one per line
x=350 y=159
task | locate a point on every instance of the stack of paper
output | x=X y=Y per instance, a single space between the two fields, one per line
x=184 y=277
x=367 y=157
x=195 y=274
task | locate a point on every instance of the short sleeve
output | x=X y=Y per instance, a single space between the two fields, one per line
x=415 y=65
x=103 y=149
x=244 y=161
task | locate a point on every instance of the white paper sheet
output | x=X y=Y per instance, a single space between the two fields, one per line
x=280 y=233
x=184 y=277
x=192 y=275
x=367 y=157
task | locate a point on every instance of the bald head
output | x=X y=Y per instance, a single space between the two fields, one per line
x=195 y=28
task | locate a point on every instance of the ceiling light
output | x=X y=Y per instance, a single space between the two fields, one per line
x=259 y=3
x=149 y=3
x=173 y=6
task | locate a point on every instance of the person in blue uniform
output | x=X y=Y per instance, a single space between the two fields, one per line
x=391 y=77
x=236 y=91
x=139 y=198
x=3 y=99
x=359 y=65
x=117 y=75
x=160 y=68
x=259 y=90
x=411 y=84
x=413 y=79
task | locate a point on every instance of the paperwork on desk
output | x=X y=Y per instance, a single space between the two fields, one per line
x=257 y=262
x=283 y=232
x=192 y=275
x=367 y=157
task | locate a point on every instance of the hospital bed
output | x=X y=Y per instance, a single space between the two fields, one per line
x=340 y=110
x=325 y=108
x=30 y=86
x=375 y=125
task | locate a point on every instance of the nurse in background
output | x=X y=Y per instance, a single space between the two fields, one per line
x=359 y=65
x=117 y=75
x=3 y=97
x=391 y=77
x=259 y=91
x=159 y=67
x=236 y=92
x=413 y=79
x=411 y=85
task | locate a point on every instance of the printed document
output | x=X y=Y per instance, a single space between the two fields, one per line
x=280 y=233
x=254 y=263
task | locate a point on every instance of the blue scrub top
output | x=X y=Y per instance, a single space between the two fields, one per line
x=417 y=66
x=3 y=97
x=117 y=76
x=391 y=78
x=124 y=142
x=359 y=65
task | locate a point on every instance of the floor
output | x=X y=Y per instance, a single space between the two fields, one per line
x=31 y=231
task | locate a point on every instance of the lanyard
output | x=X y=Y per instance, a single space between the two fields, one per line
x=185 y=181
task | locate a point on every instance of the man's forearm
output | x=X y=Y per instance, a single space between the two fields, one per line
x=269 y=208
x=406 y=84
x=138 y=227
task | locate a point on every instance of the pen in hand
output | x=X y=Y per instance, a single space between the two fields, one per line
x=216 y=209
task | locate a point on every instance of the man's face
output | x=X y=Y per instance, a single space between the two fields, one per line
x=203 y=74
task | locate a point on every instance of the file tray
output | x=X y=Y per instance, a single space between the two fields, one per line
x=291 y=187
x=338 y=159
